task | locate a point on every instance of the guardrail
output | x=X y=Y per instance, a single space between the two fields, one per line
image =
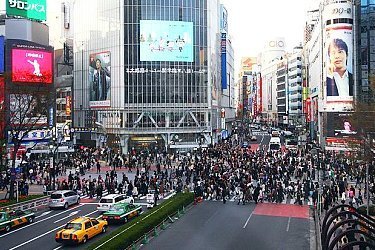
x=28 y=205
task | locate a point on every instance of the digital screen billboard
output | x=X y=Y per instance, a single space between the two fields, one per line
x=32 y=9
x=32 y=66
x=340 y=125
x=2 y=54
x=166 y=41
x=100 y=79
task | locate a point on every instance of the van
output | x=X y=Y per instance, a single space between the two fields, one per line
x=108 y=201
x=275 y=144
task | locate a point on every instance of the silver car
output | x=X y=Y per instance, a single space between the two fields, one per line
x=63 y=199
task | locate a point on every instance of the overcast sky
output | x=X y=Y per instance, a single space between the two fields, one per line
x=252 y=22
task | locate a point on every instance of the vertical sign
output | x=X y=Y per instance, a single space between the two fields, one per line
x=223 y=60
x=68 y=107
x=1 y=54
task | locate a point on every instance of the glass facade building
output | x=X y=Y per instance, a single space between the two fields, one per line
x=161 y=64
x=367 y=53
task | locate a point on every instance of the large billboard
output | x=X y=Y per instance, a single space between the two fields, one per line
x=31 y=9
x=100 y=79
x=340 y=125
x=339 y=84
x=166 y=41
x=32 y=66
x=27 y=109
x=2 y=54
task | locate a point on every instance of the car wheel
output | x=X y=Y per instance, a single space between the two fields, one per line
x=84 y=240
x=7 y=228
x=30 y=219
x=66 y=205
x=104 y=229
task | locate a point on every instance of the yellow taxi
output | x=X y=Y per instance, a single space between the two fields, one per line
x=80 y=229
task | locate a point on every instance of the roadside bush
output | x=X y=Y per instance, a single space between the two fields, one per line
x=363 y=210
x=7 y=202
x=135 y=229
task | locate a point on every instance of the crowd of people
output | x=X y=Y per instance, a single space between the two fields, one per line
x=220 y=172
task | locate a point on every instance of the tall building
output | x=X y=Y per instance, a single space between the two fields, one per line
x=274 y=50
x=332 y=79
x=366 y=14
x=295 y=88
x=148 y=73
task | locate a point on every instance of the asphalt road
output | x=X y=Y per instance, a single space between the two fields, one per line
x=214 y=225
x=41 y=233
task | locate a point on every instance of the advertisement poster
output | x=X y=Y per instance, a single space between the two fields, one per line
x=2 y=107
x=224 y=83
x=339 y=51
x=32 y=66
x=166 y=41
x=339 y=125
x=2 y=54
x=100 y=79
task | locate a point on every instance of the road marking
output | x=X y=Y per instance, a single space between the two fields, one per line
x=169 y=196
x=262 y=140
x=57 y=247
x=287 y=227
x=140 y=203
x=50 y=231
x=248 y=220
x=39 y=221
x=43 y=214
x=71 y=214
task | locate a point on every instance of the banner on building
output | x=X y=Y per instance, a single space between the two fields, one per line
x=31 y=9
x=224 y=84
x=100 y=80
x=338 y=52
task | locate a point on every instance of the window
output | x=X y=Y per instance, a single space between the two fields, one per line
x=88 y=224
x=120 y=198
x=94 y=222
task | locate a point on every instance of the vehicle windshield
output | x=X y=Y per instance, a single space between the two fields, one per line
x=274 y=146
x=106 y=201
x=75 y=226
x=56 y=196
x=117 y=209
x=292 y=142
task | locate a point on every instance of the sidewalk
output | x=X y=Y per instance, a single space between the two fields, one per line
x=33 y=189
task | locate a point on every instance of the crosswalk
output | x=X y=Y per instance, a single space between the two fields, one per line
x=290 y=201
x=260 y=133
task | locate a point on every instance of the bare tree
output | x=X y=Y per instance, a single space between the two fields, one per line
x=363 y=120
x=28 y=111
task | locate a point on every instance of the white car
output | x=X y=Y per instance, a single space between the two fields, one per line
x=108 y=201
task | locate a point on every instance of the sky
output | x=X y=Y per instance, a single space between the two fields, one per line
x=252 y=22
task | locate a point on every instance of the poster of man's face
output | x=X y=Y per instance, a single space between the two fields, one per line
x=100 y=76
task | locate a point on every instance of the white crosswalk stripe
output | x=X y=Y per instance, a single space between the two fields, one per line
x=290 y=201
x=260 y=133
